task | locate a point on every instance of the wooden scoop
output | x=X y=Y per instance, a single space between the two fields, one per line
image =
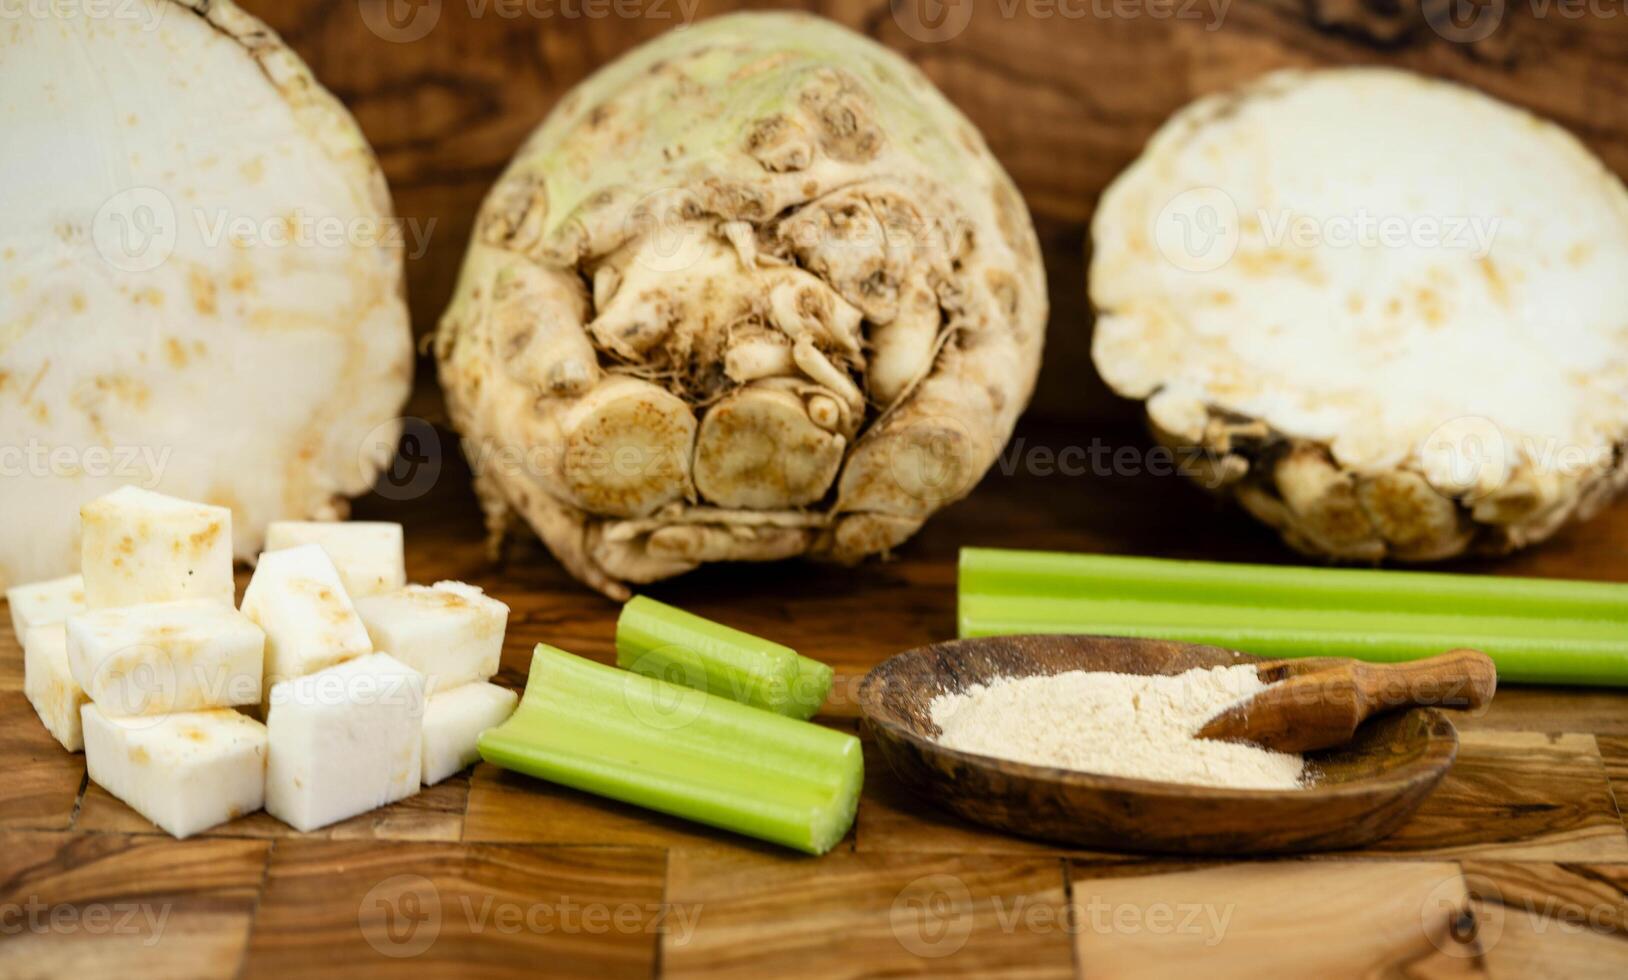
x=1318 y=702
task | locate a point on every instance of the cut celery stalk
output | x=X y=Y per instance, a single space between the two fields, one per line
x=810 y=689
x=1536 y=631
x=681 y=751
x=657 y=640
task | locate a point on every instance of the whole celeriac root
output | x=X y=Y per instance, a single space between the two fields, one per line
x=756 y=290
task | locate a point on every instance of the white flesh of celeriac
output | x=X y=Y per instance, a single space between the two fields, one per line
x=370 y=555
x=453 y=722
x=296 y=596
x=137 y=546
x=185 y=772
x=344 y=741
x=163 y=657
x=200 y=283
x=44 y=603
x=49 y=685
x=1391 y=309
x=452 y=632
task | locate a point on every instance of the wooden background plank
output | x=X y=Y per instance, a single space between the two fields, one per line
x=1065 y=93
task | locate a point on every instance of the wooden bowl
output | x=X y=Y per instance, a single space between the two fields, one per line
x=1362 y=792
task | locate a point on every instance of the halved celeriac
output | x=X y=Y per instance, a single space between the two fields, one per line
x=202 y=278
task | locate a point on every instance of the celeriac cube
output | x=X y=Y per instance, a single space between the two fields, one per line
x=369 y=555
x=49 y=684
x=185 y=772
x=44 y=603
x=151 y=659
x=344 y=741
x=138 y=546
x=297 y=598
x=451 y=632
x=453 y=721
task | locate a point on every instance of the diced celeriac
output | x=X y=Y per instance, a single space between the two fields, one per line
x=185 y=772
x=453 y=721
x=344 y=741
x=44 y=603
x=50 y=686
x=139 y=546
x=369 y=555
x=156 y=658
x=296 y=596
x=451 y=632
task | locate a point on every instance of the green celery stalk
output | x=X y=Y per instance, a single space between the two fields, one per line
x=681 y=751
x=990 y=571
x=657 y=640
x=1555 y=633
x=810 y=689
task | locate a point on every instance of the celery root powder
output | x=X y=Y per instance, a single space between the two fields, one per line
x=1117 y=725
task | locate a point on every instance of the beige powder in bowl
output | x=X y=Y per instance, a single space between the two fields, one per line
x=1116 y=725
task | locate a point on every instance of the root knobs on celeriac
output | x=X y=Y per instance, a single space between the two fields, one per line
x=753 y=291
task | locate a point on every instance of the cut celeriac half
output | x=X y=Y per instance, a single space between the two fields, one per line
x=202 y=284
x=1389 y=313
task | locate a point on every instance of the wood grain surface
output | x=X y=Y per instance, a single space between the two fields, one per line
x=1516 y=867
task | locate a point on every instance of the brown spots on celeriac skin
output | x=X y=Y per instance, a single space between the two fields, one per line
x=1495 y=280
x=203 y=292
